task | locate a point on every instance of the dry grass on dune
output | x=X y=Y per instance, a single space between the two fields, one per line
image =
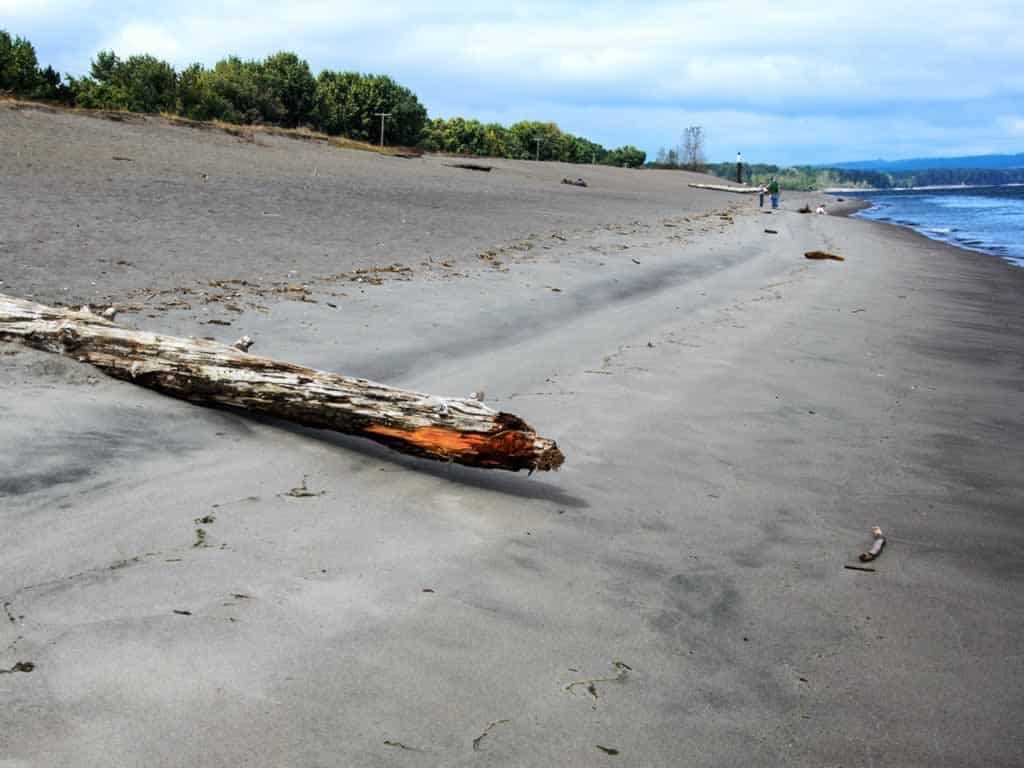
x=244 y=132
x=249 y=132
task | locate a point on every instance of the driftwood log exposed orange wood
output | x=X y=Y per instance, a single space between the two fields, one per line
x=461 y=430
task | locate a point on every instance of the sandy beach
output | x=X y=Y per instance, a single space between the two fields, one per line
x=735 y=419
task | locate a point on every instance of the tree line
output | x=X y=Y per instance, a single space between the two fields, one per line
x=281 y=90
x=808 y=177
x=526 y=139
x=687 y=155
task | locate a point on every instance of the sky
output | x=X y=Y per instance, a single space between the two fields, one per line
x=783 y=81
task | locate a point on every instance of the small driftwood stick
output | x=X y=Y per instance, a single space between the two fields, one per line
x=876 y=546
x=859 y=568
x=460 y=430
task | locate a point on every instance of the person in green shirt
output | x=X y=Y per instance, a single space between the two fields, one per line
x=773 y=190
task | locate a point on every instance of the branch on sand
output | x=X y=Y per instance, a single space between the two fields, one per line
x=460 y=430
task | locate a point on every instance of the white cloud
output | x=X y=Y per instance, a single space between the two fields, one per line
x=911 y=72
x=145 y=38
x=1013 y=125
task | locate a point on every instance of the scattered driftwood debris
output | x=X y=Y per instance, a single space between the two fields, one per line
x=859 y=568
x=622 y=670
x=772 y=231
x=460 y=430
x=726 y=188
x=400 y=745
x=302 y=492
x=123 y=159
x=19 y=666
x=477 y=741
x=608 y=750
x=823 y=255
x=876 y=546
x=471 y=167
x=804 y=209
x=574 y=182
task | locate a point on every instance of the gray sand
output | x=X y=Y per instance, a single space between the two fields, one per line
x=735 y=419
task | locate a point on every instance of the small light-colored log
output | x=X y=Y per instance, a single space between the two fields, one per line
x=876 y=546
x=727 y=188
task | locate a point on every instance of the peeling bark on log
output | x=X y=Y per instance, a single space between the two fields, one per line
x=461 y=430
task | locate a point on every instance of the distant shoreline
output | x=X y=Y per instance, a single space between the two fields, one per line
x=854 y=190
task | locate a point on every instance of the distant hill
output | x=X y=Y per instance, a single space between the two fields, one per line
x=987 y=162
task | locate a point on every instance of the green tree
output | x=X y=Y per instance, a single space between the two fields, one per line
x=348 y=103
x=628 y=156
x=287 y=80
x=198 y=99
x=235 y=85
x=334 y=104
x=19 y=69
x=150 y=85
x=104 y=67
x=379 y=93
x=139 y=84
x=49 y=86
x=525 y=135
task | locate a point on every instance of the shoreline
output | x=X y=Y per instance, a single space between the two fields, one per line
x=735 y=419
x=934 y=235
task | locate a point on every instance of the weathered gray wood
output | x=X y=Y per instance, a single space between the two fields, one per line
x=448 y=429
x=726 y=188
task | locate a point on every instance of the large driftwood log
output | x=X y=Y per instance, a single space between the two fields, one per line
x=461 y=430
x=726 y=188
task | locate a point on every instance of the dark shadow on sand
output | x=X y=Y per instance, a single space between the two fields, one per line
x=498 y=481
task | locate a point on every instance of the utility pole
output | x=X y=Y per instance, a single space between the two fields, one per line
x=539 y=140
x=383 y=116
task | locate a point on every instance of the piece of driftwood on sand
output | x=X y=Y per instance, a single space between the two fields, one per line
x=461 y=430
x=725 y=188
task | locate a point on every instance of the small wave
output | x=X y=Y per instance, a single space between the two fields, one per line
x=964 y=201
x=988 y=224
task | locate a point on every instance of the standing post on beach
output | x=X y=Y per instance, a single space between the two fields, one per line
x=773 y=190
x=739 y=168
x=760 y=195
x=383 y=116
